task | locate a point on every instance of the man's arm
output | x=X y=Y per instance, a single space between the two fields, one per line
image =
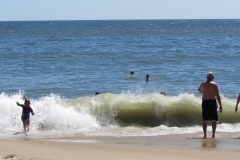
x=238 y=100
x=200 y=88
x=218 y=98
x=220 y=104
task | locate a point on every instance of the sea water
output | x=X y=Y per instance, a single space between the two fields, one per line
x=60 y=65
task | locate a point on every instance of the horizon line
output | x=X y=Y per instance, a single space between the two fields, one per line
x=125 y=19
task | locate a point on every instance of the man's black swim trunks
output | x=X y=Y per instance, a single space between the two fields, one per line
x=209 y=110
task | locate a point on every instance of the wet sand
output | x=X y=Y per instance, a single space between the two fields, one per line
x=187 y=146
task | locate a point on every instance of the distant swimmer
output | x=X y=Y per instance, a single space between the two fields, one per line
x=26 y=109
x=163 y=93
x=147 y=77
x=210 y=93
x=96 y=93
x=132 y=72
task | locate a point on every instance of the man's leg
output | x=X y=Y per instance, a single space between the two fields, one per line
x=214 y=126
x=204 y=126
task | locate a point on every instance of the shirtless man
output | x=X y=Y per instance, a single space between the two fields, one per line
x=210 y=93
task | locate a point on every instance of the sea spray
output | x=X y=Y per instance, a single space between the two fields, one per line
x=51 y=113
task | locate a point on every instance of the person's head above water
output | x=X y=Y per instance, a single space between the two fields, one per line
x=147 y=76
x=96 y=93
x=132 y=72
x=163 y=93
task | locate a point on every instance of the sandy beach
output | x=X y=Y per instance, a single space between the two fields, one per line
x=127 y=148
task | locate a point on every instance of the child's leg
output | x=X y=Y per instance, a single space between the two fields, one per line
x=24 y=124
x=27 y=122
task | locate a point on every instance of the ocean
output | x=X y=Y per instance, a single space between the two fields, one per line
x=60 y=65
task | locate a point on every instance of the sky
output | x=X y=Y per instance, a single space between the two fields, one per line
x=25 y=10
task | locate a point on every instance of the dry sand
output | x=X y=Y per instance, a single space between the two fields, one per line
x=129 y=148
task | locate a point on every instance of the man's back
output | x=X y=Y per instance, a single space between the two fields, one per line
x=209 y=90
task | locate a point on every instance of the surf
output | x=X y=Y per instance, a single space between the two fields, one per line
x=148 y=110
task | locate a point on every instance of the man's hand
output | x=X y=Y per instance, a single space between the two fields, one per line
x=220 y=109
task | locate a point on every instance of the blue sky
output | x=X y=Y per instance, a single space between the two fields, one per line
x=12 y=10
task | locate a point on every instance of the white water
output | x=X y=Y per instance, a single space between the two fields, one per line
x=56 y=117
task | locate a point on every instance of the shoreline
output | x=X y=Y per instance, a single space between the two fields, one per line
x=184 y=146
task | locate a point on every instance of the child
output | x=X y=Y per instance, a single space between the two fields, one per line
x=26 y=109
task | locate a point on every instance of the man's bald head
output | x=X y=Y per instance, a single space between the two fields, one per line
x=210 y=76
